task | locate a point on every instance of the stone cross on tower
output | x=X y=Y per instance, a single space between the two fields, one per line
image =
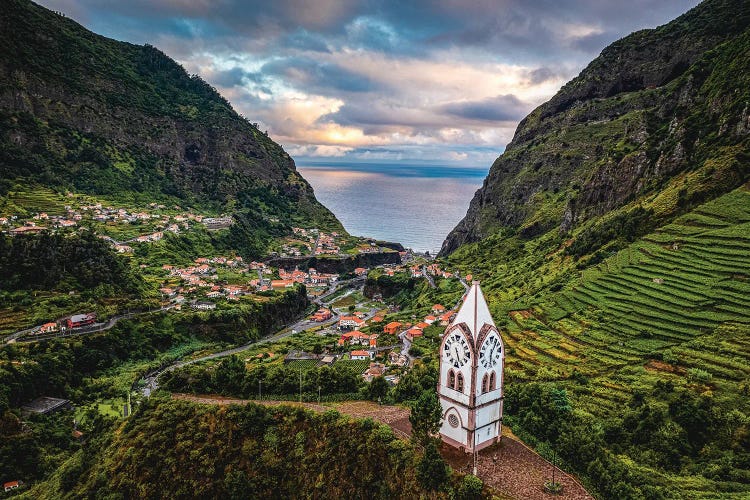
x=470 y=388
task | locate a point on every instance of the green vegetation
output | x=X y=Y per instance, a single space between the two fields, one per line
x=248 y=451
x=74 y=262
x=155 y=131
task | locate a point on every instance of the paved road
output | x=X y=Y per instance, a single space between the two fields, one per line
x=427 y=275
x=151 y=379
x=74 y=332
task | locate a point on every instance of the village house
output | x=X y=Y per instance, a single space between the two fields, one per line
x=438 y=309
x=413 y=333
x=348 y=322
x=322 y=314
x=48 y=328
x=446 y=318
x=430 y=319
x=354 y=337
x=360 y=355
x=282 y=283
x=392 y=328
x=27 y=229
x=80 y=320
x=203 y=306
x=11 y=485
x=397 y=358
x=375 y=370
x=360 y=271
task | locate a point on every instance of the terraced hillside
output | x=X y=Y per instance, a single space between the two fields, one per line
x=652 y=348
x=654 y=298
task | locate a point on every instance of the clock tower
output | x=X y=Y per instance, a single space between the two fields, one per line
x=470 y=389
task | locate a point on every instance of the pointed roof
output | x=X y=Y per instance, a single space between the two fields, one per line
x=474 y=311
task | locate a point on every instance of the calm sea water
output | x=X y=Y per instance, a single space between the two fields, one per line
x=415 y=205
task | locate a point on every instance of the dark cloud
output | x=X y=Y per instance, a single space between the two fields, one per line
x=306 y=41
x=496 y=109
x=320 y=77
x=259 y=53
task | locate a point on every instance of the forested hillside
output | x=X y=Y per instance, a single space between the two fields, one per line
x=252 y=451
x=82 y=112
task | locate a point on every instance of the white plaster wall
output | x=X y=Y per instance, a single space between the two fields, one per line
x=457 y=433
x=488 y=396
x=487 y=432
x=488 y=414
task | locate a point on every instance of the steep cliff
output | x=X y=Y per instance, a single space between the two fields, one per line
x=83 y=112
x=652 y=107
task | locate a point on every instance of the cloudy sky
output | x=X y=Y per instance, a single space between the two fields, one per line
x=441 y=81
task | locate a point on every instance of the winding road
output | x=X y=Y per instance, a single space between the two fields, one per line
x=73 y=332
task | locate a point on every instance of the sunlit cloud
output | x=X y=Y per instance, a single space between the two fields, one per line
x=355 y=80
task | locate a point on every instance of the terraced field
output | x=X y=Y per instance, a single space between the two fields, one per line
x=360 y=365
x=303 y=364
x=681 y=294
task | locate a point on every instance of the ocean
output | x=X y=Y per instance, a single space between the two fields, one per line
x=415 y=205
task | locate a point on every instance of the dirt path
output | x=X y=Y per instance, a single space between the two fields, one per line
x=511 y=467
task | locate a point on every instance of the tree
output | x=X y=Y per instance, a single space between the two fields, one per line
x=432 y=471
x=470 y=488
x=425 y=417
x=230 y=375
x=378 y=389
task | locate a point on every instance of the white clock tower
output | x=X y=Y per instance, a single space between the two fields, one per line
x=472 y=358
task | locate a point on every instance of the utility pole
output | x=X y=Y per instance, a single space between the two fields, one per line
x=475 y=453
x=554 y=457
x=300 y=384
x=260 y=381
x=318 y=395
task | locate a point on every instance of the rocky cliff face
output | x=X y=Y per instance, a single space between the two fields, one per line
x=653 y=107
x=80 y=111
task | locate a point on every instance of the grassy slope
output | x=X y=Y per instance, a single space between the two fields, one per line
x=671 y=306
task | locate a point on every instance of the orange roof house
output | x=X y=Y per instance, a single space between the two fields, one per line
x=414 y=332
x=392 y=328
x=446 y=318
x=438 y=309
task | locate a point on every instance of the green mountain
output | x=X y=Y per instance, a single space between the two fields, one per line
x=660 y=111
x=85 y=113
x=613 y=241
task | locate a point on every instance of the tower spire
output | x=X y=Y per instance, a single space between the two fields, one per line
x=474 y=312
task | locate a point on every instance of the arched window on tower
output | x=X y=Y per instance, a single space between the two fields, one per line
x=493 y=382
x=485 y=383
x=451 y=379
x=460 y=383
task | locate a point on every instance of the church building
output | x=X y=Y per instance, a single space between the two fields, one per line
x=470 y=388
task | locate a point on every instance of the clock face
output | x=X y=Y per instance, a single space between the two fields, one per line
x=489 y=354
x=456 y=350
